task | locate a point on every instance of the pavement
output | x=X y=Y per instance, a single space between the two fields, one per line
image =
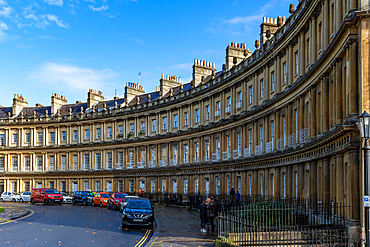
x=12 y=211
x=179 y=227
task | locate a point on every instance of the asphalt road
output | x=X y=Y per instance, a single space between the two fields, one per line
x=55 y=225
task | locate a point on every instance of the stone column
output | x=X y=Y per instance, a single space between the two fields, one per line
x=325 y=180
x=290 y=64
x=313 y=181
x=353 y=80
x=325 y=26
x=339 y=178
x=338 y=14
x=313 y=112
x=338 y=90
x=325 y=103
x=277 y=128
x=277 y=74
x=302 y=54
x=353 y=6
x=266 y=88
x=354 y=197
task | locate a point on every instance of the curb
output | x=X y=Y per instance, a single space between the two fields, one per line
x=27 y=213
x=158 y=226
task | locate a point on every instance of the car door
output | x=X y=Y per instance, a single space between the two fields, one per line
x=97 y=198
x=7 y=196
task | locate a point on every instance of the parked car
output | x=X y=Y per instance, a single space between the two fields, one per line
x=9 y=197
x=25 y=196
x=46 y=196
x=115 y=199
x=66 y=198
x=125 y=201
x=101 y=198
x=138 y=211
x=84 y=197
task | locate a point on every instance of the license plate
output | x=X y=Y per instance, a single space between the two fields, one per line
x=57 y=200
x=138 y=220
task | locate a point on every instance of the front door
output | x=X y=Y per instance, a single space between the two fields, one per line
x=174 y=183
x=38 y=185
x=142 y=185
x=109 y=186
x=207 y=187
x=74 y=186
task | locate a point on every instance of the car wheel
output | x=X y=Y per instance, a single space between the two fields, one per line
x=123 y=226
x=84 y=203
x=101 y=204
x=14 y=200
x=73 y=202
x=21 y=200
x=108 y=205
x=45 y=202
x=32 y=201
x=60 y=203
x=1 y=199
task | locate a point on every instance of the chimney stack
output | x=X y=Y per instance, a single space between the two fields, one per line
x=18 y=104
x=93 y=97
x=56 y=102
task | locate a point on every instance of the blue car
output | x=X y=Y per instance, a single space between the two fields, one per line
x=84 y=197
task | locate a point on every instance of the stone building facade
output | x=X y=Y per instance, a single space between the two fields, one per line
x=280 y=121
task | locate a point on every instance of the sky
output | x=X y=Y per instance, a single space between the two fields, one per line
x=69 y=46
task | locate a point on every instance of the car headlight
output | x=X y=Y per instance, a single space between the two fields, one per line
x=117 y=200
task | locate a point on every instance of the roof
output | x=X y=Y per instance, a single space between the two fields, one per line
x=109 y=103
x=76 y=108
x=4 y=112
x=39 y=111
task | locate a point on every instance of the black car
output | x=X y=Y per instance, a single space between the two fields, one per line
x=83 y=197
x=138 y=212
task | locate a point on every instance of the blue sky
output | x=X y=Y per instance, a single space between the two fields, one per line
x=69 y=46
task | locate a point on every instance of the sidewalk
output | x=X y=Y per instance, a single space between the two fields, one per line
x=12 y=211
x=178 y=227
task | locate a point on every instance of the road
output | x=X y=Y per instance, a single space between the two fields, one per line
x=55 y=225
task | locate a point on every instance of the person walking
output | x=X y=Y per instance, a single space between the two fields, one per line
x=232 y=195
x=212 y=213
x=237 y=196
x=141 y=191
x=203 y=216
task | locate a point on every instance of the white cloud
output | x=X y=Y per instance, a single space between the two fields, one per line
x=3 y=2
x=6 y=11
x=72 y=78
x=3 y=27
x=102 y=8
x=54 y=2
x=55 y=19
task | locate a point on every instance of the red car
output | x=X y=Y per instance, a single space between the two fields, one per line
x=46 y=196
x=115 y=199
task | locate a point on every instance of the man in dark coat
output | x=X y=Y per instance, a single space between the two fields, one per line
x=232 y=195
x=203 y=216
x=212 y=213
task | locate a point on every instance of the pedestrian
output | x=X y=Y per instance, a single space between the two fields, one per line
x=232 y=195
x=237 y=196
x=212 y=213
x=141 y=192
x=203 y=216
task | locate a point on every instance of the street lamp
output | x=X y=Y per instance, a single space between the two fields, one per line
x=364 y=121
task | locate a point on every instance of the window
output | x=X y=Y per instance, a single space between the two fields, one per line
x=132 y=127
x=218 y=148
x=26 y=163
x=75 y=135
x=28 y=137
x=284 y=73
x=273 y=81
x=15 y=138
x=14 y=163
x=284 y=132
x=206 y=144
x=87 y=134
x=39 y=163
x=273 y=185
x=2 y=164
x=228 y=184
x=196 y=151
x=97 y=161
x=186 y=153
x=250 y=138
x=262 y=84
x=86 y=161
x=174 y=154
x=39 y=137
x=154 y=125
x=261 y=181
x=164 y=155
x=120 y=159
x=63 y=186
x=109 y=186
x=208 y=112
x=109 y=160
x=196 y=115
x=120 y=186
x=26 y=186
x=142 y=157
x=86 y=185
x=51 y=185
x=165 y=123
x=185 y=186
x=154 y=155
x=250 y=94
x=120 y=129
x=218 y=107
x=13 y=186
x=132 y=158
x=98 y=133
x=296 y=184
x=196 y=190
x=239 y=104
x=217 y=185
x=131 y=186
x=64 y=162
x=163 y=185
x=261 y=136
x=228 y=107
x=228 y=146
x=152 y=186
x=75 y=162
x=51 y=163
x=284 y=186
x=186 y=120
x=109 y=132
x=97 y=185
x=250 y=185
x=239 y=144
x=64 y=136
x=296 y=63
x=143 y=126
x=175 y=121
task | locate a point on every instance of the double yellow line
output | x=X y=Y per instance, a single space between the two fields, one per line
x=143 y=240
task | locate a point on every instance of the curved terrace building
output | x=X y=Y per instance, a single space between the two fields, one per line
x=280 y=121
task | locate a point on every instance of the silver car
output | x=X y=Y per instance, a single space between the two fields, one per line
x=66 y=198
x=25 y=197
x=9 y=197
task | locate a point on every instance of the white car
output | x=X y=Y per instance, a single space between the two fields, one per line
x=66 y=198
x=125 y=201
x=25 y=197
x=9 y=197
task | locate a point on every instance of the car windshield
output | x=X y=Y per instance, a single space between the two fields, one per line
x=139 y=204
x=64 y=194
x=89 y=194
x=52 y=191
x=105 y=195
x=120 y=195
